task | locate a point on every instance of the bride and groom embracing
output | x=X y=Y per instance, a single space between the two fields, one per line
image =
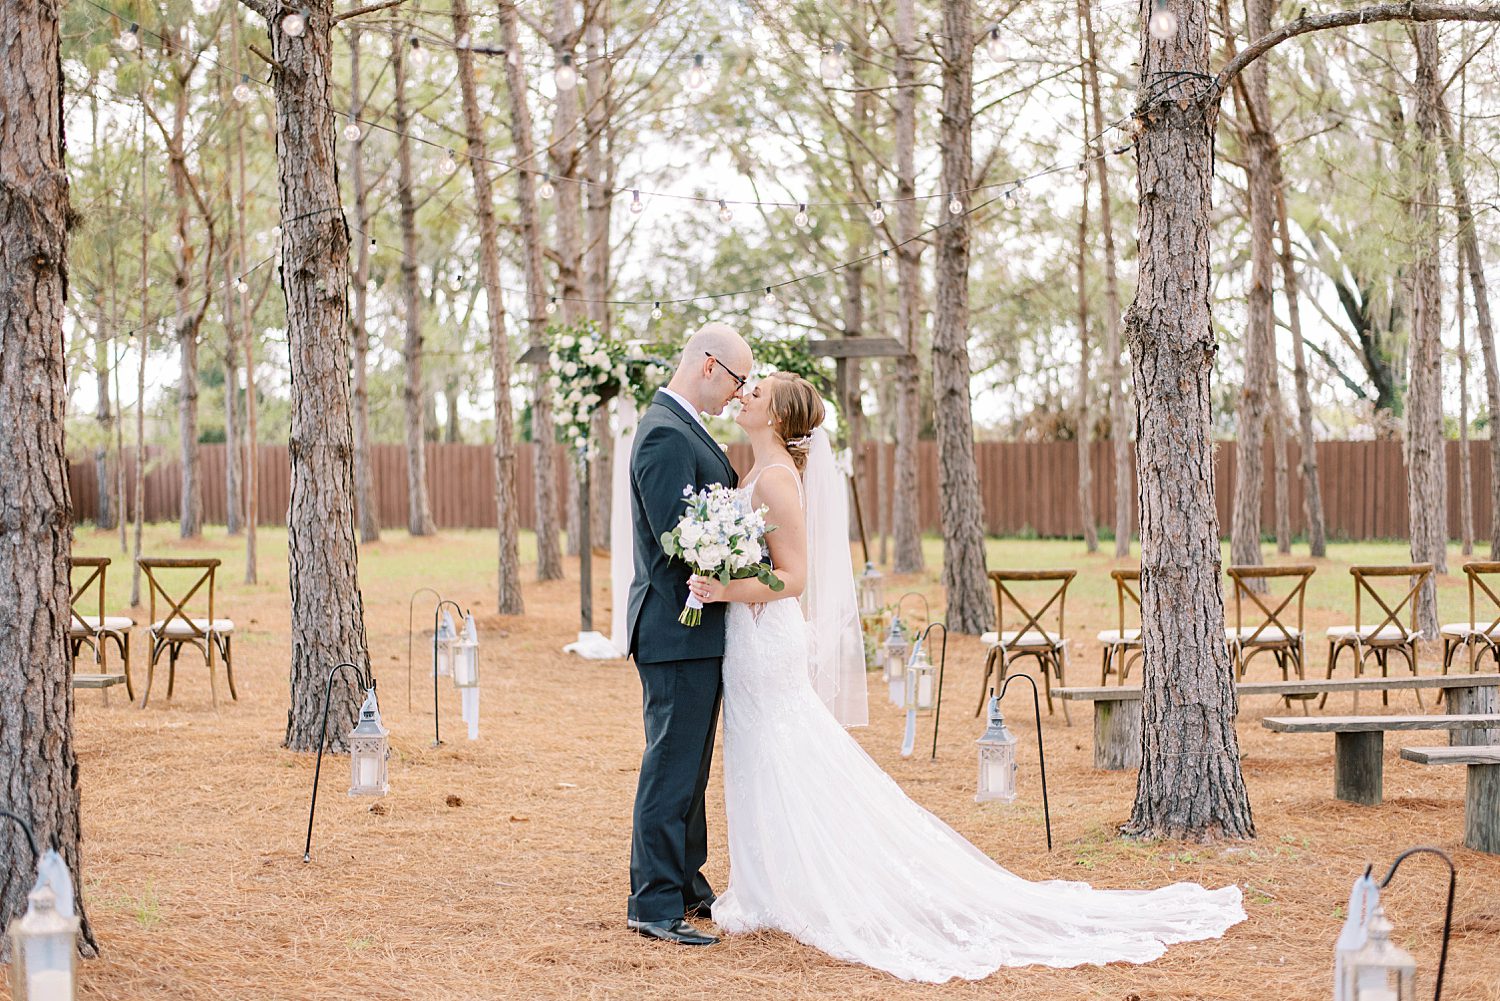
x=823 y=844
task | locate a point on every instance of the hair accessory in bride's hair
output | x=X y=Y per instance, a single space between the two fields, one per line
x=802 y=442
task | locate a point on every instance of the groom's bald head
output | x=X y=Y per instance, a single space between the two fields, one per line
x=711 y=360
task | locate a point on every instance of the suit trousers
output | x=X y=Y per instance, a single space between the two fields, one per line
x=669 y=842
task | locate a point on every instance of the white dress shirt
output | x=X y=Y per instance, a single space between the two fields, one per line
x=691 y=410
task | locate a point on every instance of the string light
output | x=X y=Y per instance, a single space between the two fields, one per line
x=1163 y=23
x=131 y=40
x=831 y=66
x=463 y=42
x=995 y=43
x=295 y=23
x=697 y=77
x=770 y=297
x=955 y=206
x=450 y=163
x=636 y=206
x=726 y=214
x=887 y=264
x=373 y=245
x=552 y=306
x=242 y=92
x=801 y=218
x=565 y=76
x=656 y=311
x=545 y=189
x=456 y=282
x=351 y=132
x=877 y=215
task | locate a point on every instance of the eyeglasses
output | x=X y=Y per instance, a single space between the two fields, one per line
x=738 y=379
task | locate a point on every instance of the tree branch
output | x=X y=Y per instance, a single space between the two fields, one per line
x=368 y=9
x=1410 y=11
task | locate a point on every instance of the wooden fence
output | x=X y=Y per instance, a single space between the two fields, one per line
x=1026 y=488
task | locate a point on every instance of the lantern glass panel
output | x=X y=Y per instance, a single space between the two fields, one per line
x=897 y=648
x=369 y=744
x=871 y=591
x=1382 y=970
x=444 y=644
x=920 y=680
x=466 y=664
x=997 y=759
x=43 y=946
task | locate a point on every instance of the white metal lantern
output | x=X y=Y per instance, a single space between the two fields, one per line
x=1381 y=970
x=43 y=944
x=443 y=645
x=895 y=650
x=997 y=759
x=871 y=591
x=921 y=680
x=368 y=746
x=466 y=663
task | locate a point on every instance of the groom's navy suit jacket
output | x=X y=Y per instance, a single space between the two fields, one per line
x=672 y=451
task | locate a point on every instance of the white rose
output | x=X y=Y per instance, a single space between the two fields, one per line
x=555 y=382
x=567 y=343
x=555 y=359
x=570 y=370
x=691 y=533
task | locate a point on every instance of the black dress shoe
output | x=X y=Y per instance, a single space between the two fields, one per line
x=673 y=930
x=702 y=909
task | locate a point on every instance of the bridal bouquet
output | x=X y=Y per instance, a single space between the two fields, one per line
x=719 y=537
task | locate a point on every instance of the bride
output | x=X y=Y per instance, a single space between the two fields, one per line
x=825 y=846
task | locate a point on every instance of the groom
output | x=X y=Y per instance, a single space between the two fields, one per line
x=679 y=666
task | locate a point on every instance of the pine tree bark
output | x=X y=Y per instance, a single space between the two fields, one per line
x=104 y=416
x=232 y=488
x=1465 y=470
x=418 y=508
x=563 y=155
x=507 y=515
x=1190 y=783
x=1084 y=413
x=191 y=521
x=1484 y=330
x=364 y=477
x=969 y=606
x=1119 y=415
x=549 y=565
x=143 y=349
x=1260 y=330
x=905 y=515
x=598 y=169
x=1312 y=486
x=1427 y=480
x=247 y=327
x=327 y=611
x=37 y=758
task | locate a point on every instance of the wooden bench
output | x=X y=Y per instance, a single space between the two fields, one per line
x=1359 y=745
x=1117 y=710
x=1482 y=799
x=103 y=682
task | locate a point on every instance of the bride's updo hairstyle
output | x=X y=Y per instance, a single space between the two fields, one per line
x=797 y=408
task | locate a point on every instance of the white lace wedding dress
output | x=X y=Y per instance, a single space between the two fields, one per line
x=825 y=846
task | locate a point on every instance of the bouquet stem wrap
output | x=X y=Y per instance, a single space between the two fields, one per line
x=692 y=611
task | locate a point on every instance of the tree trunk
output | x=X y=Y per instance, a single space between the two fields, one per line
x=905 y=513
x=1312 y=488
x=143 y=348
x=1084 y=416
x=104 y=414
x=549 y=564
x=1281 y=476
x=1427 y=481
x=1465 y=473
x=969 y=607
x=1260 y=330
x=419 y=510
x=507 y=516
x=232 y=489
x=567 y=220
x=451 y=433
x=1119 y=417
x=251 y=472
x=364 y=477
x=1484 y=329
x=327 y=612
x=37 y=758
x=1190 y=783
x=183 y=322
x=598 y=168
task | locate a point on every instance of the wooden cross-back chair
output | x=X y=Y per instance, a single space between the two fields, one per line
x=1388 y=635
x=1270 y=624
x=1476 y=634
x=1121 y=646
x=88 y=625
x=178 y=629
x=1031 y=639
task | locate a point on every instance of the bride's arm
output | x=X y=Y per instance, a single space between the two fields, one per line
x=777 y=490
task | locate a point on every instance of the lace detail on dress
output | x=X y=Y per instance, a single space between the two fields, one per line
x=825 y=846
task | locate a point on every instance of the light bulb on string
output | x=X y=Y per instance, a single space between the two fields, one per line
x=463 y=42
x=696 y=78
x=295 y=23
x=656 y=311
x=995 y=43
x=242 y=92
x=456 y=281
x=373 y=245
x=1163 y=23
x=449 y=164
x=955 y=205
x=831 y=65
x=352 y=132
x=552 y=306
x=801 y=218
x=131 y=39
x=877 y=214
x=565 y=76
x=241 y=286
x=726 y=214
x=636 y=205
x=545 y=189
x=770 y=297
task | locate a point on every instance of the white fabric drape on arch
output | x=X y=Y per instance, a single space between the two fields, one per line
x=621 y=532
